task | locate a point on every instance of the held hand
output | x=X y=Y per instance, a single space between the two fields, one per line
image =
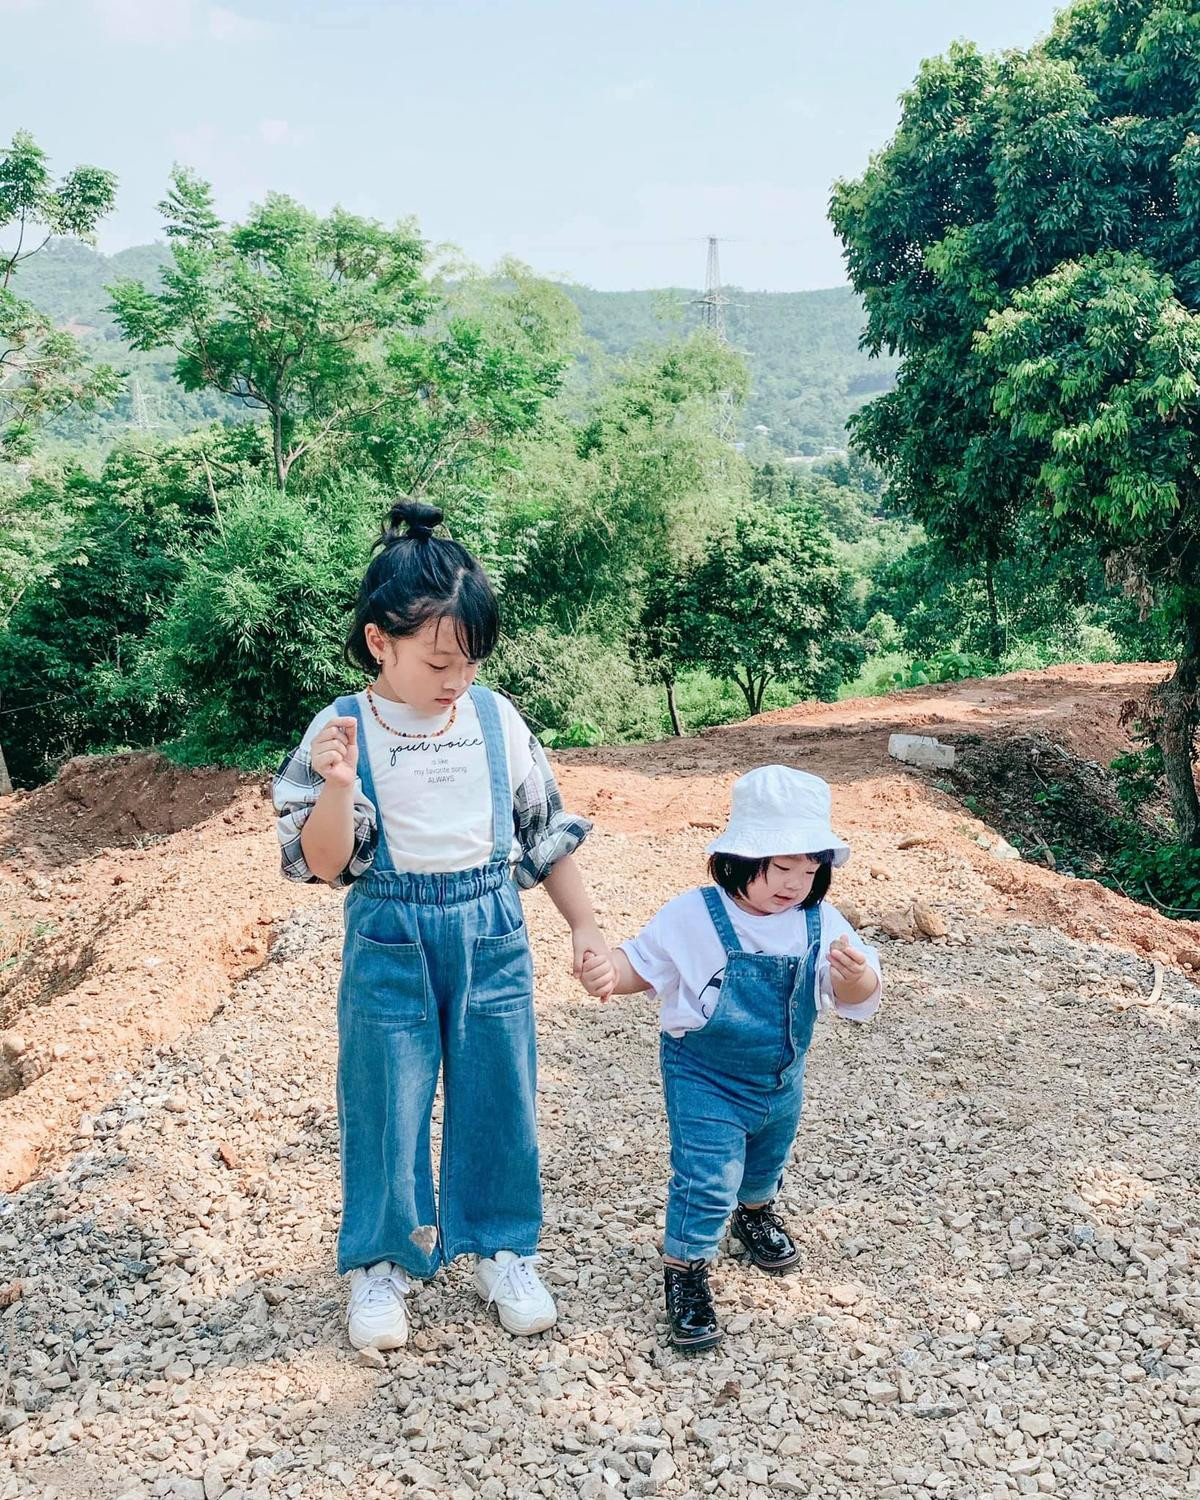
x=584 y=940
x=334 y=752
x=598 y=975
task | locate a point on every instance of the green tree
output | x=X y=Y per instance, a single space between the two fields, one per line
x=286 y=313
x=1026 y=244
x=43 y=370
x=767 y=602
x=638 y=483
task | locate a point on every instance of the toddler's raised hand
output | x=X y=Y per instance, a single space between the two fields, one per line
x=598 y=975
x=845 y=960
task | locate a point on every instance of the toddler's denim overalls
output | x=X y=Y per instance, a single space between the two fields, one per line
x=437 y=972
x=734 y=1088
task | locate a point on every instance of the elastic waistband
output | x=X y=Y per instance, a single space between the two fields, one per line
x=447 y=888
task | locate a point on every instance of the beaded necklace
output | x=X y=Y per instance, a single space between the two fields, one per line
x=408 y=734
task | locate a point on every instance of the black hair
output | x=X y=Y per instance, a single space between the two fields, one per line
x=733 y=873
x=415 y=577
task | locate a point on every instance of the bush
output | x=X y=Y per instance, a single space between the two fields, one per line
x=877 y=677
x=1167 y=874
x=946 y=666
x=252 y=640
x=575 y=689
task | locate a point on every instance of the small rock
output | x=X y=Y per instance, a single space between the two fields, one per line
x=927 y=922
x=898 y=924
x=371 y=1358
x=1018 y=1331
x=844 y=1295
x=662 y=1469
x=1035 y=1424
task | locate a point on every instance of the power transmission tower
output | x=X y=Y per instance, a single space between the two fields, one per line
x=714 y=302
x=143 y=418
x=712 y=314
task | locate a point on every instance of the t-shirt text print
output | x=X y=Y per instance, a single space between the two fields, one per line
x=434 y=790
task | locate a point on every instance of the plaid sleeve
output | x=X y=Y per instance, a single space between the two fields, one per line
x=294 y=791
x=545 y=832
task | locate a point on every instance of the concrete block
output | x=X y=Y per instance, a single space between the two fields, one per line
x=921 y=750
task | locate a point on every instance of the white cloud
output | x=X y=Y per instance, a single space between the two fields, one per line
x=160 y=23
x=167 y=23
x=279 y=133
x=227 y=26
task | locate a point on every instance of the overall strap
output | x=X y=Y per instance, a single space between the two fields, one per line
x=812 y=921
x=720 y=919
x=488 y=709
x=348 y=708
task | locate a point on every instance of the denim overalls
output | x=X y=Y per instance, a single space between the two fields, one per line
x=734 y=1088
x=437 y=972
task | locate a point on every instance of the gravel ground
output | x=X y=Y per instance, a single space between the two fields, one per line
x=994 y=1188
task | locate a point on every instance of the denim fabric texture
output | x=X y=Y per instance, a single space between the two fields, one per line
x=437 y=977
x=734 y=1089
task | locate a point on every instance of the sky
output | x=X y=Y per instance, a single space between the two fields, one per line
x=599 y=142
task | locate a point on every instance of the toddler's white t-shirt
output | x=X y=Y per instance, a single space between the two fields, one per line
x=680 y=956
x=433 y=793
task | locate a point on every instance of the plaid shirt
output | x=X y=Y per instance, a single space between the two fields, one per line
x=544 y=831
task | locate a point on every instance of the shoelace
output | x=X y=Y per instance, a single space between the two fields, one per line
x=692 y=1293
x=517 y=1277
x=376 y=1290
x=765 y=1216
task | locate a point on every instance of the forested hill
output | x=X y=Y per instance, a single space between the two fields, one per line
x=807 y=371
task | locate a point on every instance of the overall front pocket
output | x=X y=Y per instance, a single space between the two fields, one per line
x=501 y=975
x=388 y=982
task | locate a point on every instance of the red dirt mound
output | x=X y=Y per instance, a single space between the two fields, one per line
x=111 y=801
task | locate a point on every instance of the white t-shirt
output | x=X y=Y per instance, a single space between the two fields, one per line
x=681 y=958
x=433 y=794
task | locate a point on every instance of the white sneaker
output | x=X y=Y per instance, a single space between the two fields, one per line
x=377 y=1318
x=524 y=1304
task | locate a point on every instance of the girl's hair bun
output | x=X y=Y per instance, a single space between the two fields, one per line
x=419 y=521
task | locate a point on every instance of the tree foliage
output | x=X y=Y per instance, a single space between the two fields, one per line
x=44 y=371
x=1026 y=244
x=284 y=313
x=765 y=601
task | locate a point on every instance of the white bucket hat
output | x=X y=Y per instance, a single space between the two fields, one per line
x=779 y=810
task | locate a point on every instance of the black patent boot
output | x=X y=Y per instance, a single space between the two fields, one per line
x=767 y=1242
x=690 y=1310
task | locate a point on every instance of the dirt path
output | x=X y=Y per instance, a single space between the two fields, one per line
x=994 y=1185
